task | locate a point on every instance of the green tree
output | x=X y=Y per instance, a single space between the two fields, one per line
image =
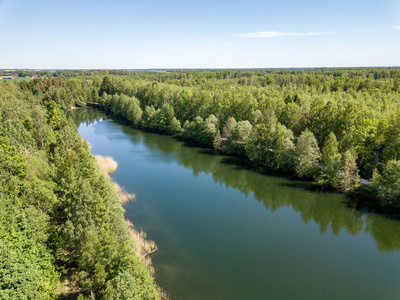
x=11 y=161
x=331 y=160
x=256 y=144
x=284 y=148
x=307 y=155
x=242 y=131
x=387 y=184
x=19 y=278
x=122 y=287
x=229 y=129
x=347 y=176
x=105 y=87
x=148 y=116
x=210 y=130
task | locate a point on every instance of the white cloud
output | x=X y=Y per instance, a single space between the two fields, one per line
x=271 y=34
x=396 y=27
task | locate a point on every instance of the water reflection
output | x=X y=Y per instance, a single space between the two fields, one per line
x=324 y=208
x=86 y=116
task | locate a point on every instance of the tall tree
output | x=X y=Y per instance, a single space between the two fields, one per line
x=307 y=154
x=105 y=87
x=331 y=160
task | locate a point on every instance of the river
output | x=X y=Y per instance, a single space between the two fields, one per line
x=227 y=231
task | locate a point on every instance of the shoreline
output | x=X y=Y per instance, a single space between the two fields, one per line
x=359 y=197
x=143 y=247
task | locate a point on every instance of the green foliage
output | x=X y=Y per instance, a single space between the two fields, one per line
x=261 y=143
x=369 y=139
x=359 y=105
x=347 y=176
x=242 y=131
x=307 y=155
x=331 y=160
x=60 y=96
x=19 y=278
x=122 y=287
x=11 y=161
x=234 y=136
x=26 y=266
x=54 y=203
x=54 y=115
x=18 y=135
x=387 y=183
x=148 y=116
x=56 y=206
x=193 y=130
x=105 y=87
x=229 y=128
x=133 y=111
x=284 y=148
x=256 y=144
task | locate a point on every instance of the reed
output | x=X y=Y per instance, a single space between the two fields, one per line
x=107 y=164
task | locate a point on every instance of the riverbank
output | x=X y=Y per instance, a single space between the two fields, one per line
x=361 y=195
x=208 y=211
x=142 y=246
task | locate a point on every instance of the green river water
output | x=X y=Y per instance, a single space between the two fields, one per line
x=226 y=231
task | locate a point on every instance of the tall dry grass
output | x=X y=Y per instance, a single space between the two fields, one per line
x=125 y=196
x=143 y=248
x=107 y=164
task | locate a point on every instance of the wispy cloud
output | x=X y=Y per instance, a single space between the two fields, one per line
x=396 y=27
x=272 y=34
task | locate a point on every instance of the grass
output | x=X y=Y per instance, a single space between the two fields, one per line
x=125 y=196
x=107 y=164
x=143 y=248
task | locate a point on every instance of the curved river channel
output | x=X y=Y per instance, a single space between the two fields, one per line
x=226 y=231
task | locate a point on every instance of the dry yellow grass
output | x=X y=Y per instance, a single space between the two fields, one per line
x=107 y=164
x=143 y=248
x=125 y=196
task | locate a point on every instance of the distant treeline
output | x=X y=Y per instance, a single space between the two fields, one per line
x=251 y=75
x=60 y=218
x=331 y=125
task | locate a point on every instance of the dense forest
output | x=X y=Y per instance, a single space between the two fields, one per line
x=339 y=127
x=60 y=218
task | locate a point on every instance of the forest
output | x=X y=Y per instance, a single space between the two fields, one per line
x=338 y=127
x=60 y=218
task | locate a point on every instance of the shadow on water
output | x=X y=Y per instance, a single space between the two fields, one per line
x=330 y=210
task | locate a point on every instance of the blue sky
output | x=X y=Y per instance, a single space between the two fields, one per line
x=125 y=34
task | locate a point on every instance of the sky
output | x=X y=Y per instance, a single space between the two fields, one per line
x=122 y=34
